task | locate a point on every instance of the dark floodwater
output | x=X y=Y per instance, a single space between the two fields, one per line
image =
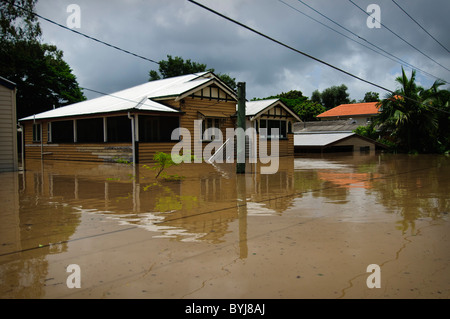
x=53 y=207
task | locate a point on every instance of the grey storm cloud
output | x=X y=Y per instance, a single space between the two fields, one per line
x=158 y=28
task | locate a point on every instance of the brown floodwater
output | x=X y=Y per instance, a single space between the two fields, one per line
x=308 y=231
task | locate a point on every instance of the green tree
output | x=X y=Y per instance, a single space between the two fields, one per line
x=178 y=66
x=44 y=80
x=332 y=96
x=439 y=100
x=17 y=24
x=315 y=97
x=309 y=110
x=406 y=119
x=371 y=97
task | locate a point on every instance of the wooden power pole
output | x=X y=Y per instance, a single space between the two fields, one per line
x=240 y=165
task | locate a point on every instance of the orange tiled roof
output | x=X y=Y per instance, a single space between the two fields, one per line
x=352 y=110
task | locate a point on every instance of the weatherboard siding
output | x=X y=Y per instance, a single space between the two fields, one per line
x=8 y=130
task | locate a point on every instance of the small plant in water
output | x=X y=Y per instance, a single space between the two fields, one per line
x=164 y=161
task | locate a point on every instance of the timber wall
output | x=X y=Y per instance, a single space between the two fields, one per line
x=8 y=130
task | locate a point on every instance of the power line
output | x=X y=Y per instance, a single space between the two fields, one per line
x=387 y=28
x=288 y=46
x=83 y=34
x=420 y=26
x=305 y=54
x=391 y=56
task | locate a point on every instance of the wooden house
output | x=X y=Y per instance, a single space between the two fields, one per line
x=135 y=123
x=270 y=114
x=8 y=126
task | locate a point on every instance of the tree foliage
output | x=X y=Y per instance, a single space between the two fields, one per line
x=414 y=118
x=176 y=66
x=371 y=97
x=332 y=96
x=44 y=80
x=17 y=24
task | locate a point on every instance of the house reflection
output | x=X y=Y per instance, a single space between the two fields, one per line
x=201 y=207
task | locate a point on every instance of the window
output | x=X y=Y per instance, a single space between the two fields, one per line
x=90 y=130
x=119 y=129
x=270 y=125
x=157 y=128
x=49 y=132
x=62 y=132
x=36 y=132
x=209 y=128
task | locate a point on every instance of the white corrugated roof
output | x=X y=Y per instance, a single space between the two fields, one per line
x=138 y=97
x=319 y=139
x=253 y=108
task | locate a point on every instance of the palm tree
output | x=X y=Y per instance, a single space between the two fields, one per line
x=405 y=117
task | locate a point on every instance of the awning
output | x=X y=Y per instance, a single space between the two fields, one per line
x=215 y=114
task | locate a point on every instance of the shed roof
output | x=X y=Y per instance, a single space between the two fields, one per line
x=355 y=109
x=139 y=98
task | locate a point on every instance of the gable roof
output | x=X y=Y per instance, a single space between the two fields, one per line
x=142 y=97
x=254 y=109
x=370 y=108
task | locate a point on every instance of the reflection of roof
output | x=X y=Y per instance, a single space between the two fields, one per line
x=346 y=180
x=317 y=139
x=138 y=98
x=370 y=108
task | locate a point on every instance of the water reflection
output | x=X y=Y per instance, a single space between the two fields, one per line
x=44 y=206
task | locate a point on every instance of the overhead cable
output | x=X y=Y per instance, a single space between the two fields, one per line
x=83 y=34
x=305 y=54
x=420 y=26
x=394 y=58
x=387 y=28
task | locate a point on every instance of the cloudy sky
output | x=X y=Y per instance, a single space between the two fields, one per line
x=157 y=28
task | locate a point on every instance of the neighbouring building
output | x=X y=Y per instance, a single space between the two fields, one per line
x=358 y=113
x=135 y=123
x=8 y=126
x=331 y=136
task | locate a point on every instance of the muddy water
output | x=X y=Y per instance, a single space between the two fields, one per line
x=308 y=231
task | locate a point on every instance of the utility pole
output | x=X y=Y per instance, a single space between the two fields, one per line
x=240 y=165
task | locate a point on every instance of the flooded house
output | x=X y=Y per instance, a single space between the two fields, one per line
x=135 y=123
